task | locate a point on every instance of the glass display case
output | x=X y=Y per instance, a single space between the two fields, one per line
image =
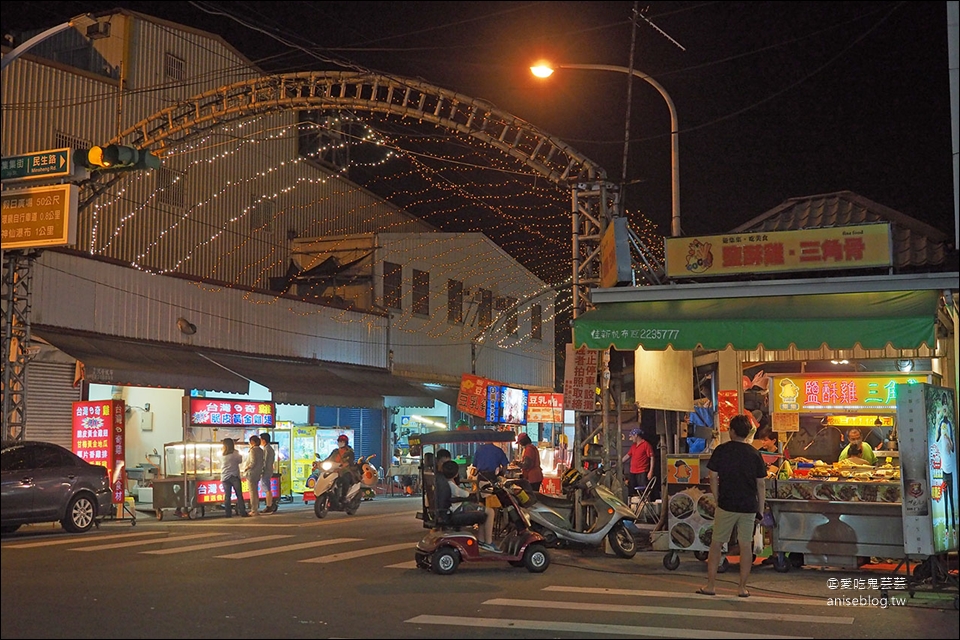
x=192 y=459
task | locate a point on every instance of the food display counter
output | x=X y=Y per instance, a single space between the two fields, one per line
x=191 y=479
x=835 y=514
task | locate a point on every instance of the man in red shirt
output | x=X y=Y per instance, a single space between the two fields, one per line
x=641 y=461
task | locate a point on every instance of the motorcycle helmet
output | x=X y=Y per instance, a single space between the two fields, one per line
x=569 y=480
x=635 y=432
x=343 y=438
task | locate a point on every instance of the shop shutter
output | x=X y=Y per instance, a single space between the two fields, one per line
x=326 y=416
x=371 y=432
x=49 y=402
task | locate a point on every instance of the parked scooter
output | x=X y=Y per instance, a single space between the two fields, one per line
x=327 y=489
x=607 y=516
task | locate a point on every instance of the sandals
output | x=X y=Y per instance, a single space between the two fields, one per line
x=702 y=591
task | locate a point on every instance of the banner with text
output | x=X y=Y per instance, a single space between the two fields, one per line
x=580 y=379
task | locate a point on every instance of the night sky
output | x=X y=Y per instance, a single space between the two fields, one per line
x=776 y=100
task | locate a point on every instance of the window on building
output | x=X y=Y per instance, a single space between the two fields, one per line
x=262 y=214
x=322 y=137
x=65 y=140
x=420 y=290
x=485 y=313
x=392 y=285
x=536 y=322
x=454 y=302
x=508 y=311
x=172 y=188
x=174 y=68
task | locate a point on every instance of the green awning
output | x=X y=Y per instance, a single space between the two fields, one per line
x=904 y=319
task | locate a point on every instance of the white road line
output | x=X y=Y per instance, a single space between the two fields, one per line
x=807 y=602
x=350 y=555
x=290 y=547
x=673 y=611
x=575 y=628
x=77 y=540
x=402 y=565
x=213 y=545
x=140 y=543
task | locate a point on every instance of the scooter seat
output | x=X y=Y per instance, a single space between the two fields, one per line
x=552 y=501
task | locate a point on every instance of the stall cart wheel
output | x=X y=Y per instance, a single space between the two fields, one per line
x=194 y=513
x=796 y=560
x=701 y=555
x=159 y=514
x=671 y=560
x=780 y=564
x=724 y=565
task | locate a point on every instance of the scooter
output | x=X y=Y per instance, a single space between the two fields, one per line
x=607 y=516
x=445 y=547
x=326 y=489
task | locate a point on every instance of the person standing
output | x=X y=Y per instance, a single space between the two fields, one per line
x=490 y=461
x=269 y=458
x=737 y=477
x=254 y=473
x=855 y=437
x=530 y=469
x=230 y=478
x=640 y=456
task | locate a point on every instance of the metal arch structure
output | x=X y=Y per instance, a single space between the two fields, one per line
x=594 y=200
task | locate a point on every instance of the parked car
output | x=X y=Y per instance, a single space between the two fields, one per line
x=43 y=482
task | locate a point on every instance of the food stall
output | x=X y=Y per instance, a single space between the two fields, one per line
x=190 y=479
x=836 y=513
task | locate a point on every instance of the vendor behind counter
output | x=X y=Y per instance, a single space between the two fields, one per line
x=817 y=441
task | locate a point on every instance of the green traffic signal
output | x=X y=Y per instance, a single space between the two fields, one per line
x=115 y=157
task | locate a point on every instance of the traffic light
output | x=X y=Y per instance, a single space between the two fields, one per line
x=115 y=157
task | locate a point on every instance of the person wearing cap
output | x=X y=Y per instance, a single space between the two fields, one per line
x=343 y=458
x=640 y=456
x=530 y=462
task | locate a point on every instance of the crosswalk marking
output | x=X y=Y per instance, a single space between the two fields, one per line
x=350 y=555
x=137 y=543
x=575 y=628
x=76 y=540
x=807 y=602
x=213 y=545
x=684 y=611
x=252 y=553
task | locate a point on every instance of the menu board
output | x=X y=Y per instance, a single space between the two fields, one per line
x=99 y=438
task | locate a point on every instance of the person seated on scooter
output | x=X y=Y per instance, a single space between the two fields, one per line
x=448 y=492
x=343 y=458
x=442 y=456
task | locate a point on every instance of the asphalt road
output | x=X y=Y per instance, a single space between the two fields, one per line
x=291 y=575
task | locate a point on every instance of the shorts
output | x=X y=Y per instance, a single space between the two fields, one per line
x=724 y=521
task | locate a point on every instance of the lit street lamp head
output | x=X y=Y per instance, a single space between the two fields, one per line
x=541 y=70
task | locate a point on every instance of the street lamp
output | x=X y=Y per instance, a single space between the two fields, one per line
x=545 y=71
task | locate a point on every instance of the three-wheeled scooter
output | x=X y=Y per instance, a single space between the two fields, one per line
x=445 y=547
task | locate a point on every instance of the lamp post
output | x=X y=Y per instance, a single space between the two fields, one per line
x=544 y=71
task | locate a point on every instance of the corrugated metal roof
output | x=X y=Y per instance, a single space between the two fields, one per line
x=915 y=244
